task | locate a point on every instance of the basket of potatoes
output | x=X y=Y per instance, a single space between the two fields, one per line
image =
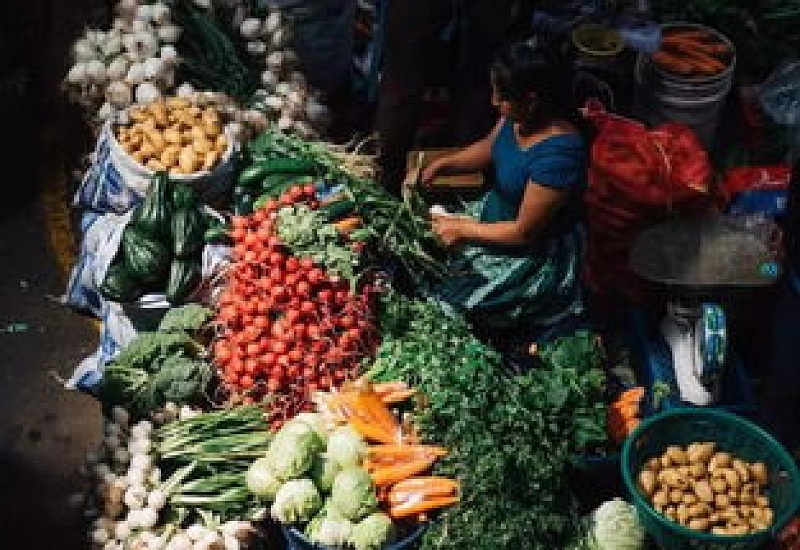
x=188 y=140
x=708 y=479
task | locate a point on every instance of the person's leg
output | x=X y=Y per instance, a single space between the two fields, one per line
x=780 y=411
x=411 y=45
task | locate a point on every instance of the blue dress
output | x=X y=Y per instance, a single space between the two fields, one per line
x=537 y=285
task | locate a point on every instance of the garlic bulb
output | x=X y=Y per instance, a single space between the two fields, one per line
x=146 y=44
x=112 y=46
x=135 y=74
x=272 y=23
x=185 y=90
x=274 y=102
x=154 y=68
x=127 y=8
x=284 y=89
x=303 y=129
x=284 y=122
x=250 y=28
x=269 y=79
x=168 y=54
x=169 y=33
x=140 y=25
x=316 y=112
x=279 y=38
x=256 y=47
x=105 y=112
x=96 y=71
x=159 y=13
x=143 y=12
x=84 y=51
x=119 y=94
x=77 y=74
x=147 y=92
x=275 y=61
x=118 y=68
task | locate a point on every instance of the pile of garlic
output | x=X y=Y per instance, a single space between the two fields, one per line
x=128 y=493
x=284 y=97
x=134 y=61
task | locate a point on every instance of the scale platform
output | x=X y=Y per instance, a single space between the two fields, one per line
x=698 y=262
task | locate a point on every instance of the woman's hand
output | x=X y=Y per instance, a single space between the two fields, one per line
x=450 y=229
x=433 y=170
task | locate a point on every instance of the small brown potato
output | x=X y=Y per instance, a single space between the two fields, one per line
x=700 y=452
x=671 y=512
x=172 y=135
x=682 y=513
x=676 y=496
x=738 y=528
x=731 y=478
x=169 y=156
x=157 y=140
x=197 y=133
x=762 y=501
x=697 y=470
x=742 y=469
x=701 y=509
x=689 y=498
x=717 y=530
x=759 y=472
x=661 y=498
x=722 y=501
x=677 y=455
x=703 y=491
x=654 y=465
x=730 y=515
x=666 y=461
x=139 y=157
x=719 y=486
x=647 y=482
x=719 y=460
x=209 y=160
x=221 y=144
x=202 y=146
x=188 y=160
x=155 y=164
x=177 y=102
x=767 y=516
x=137 y=114
x=713 y=518
x=698 y=524
x=212 y=130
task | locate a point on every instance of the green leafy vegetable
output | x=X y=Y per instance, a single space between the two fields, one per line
x=353 y=494
x=296 y=502
x=373 y=532
x=614 y=525
x=329 y=529
x=148 y=347
x=261 y=480
x=189 y=317
x=293 y=449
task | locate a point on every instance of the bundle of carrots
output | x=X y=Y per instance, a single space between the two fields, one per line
x=692 y=51
x=396 y=460
x=624 y=413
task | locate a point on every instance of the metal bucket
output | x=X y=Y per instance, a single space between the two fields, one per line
x=696 y=101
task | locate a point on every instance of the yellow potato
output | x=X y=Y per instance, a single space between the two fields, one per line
x=742 y=470
x=719 y=486
x=155 y=164
x=759 y=472
x=700 y=452
x=209 y=160
x=698 y=524
x=689 y=498
x=676 y=496
x=654 y=465
x=202 y=146
x=697 y=470
x=139 y=157
x=661 y=498
x=719 y=460
x=677 y=455
x=169 y=156
x=722 y=501
x=188 y=160
x=703 y=491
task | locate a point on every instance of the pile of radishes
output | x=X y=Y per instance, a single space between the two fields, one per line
x=127 y=495
x=286 y=328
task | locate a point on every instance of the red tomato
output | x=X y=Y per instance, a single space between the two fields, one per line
x=246 y=381
x=306 y=264
x=271 y=205
x=325 y=296
x=296 y=193
x=279 y=347
x=277 y=259
x=316 y=276
x=273 y=385
x=251 y=366
x=259 y=216
x=303 y=289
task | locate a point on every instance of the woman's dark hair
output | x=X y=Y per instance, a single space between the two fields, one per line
x=522 y=70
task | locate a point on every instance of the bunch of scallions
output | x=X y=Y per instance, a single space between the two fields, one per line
x=176 y=482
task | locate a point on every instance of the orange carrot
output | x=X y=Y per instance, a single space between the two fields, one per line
x=634 y=394
x=401 y=451
x=413 y=483
x=393 y=474
x=672 y=63
x=372 y=432
x=397 y=396
x=414 y=508
x=347 y=225
x=383 y=388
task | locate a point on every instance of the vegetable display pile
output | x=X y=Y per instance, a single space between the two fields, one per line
x=322 y=476
x=162 y=246
x=511 y=439
x=175 y=483
x=174 y=136
x=709 y=490
x=286 y=326
x=393 y=228
x=692 y=51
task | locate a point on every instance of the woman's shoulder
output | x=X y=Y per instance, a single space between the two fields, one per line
x=560 y=161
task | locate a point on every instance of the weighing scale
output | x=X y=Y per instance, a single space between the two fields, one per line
x=700 y=261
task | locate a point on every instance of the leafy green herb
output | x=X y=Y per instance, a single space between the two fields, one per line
x=148 y=347
x=511 y=438
x=305 y=232
x=189 y=317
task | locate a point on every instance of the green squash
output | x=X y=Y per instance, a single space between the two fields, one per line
x=188 y=229
x=146 y=258
x=184 y=277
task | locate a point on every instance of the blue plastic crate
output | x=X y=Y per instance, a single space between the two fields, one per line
x=654 y=359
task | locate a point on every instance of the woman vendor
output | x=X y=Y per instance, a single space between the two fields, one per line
x=518 y=253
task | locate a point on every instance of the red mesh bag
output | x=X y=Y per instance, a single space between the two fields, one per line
x=637 y=178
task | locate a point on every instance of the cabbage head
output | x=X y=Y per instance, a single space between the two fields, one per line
x=323 y=472
x=293 y=449
x=261 y=480
x=329 y=528
x=353 y=494
x=316 y=421
x=296 y=502
x=372 y=533
x=615 y=526
x=346 y=447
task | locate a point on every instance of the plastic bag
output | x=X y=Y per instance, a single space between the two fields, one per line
x=780 y=99
x=115 y=183
x=756 y=190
